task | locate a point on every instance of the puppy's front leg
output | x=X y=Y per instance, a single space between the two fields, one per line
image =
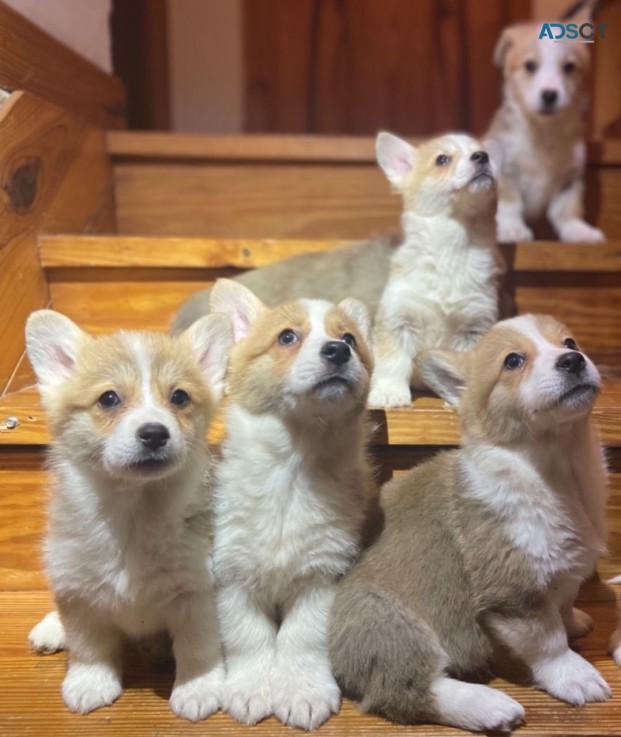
x=566 y=215
x=510 y=224
x=249 y=641
x=304 y=692
x=199 y=681
x=541 y=641
x=394 y=356
x=94 y=670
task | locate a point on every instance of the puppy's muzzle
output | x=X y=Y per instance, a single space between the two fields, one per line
x=549 y=99
x=480 y=157
x=336 y=352
x=153 y=435
x=571 y=363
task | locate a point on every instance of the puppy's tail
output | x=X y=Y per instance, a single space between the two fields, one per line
x=383 y=655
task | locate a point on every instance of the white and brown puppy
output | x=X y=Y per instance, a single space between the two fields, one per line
x=442 y=289
x=128 y=546
x=485 y=544
x=539 y=131
x=292 y=491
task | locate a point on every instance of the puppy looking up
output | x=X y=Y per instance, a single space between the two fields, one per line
x=291 y=496
x=484 y=544
x=442 y=289
x=128 y=545
x=539 y=130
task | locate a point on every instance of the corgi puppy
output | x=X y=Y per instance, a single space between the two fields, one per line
x=442 y=289
x=539 y=131
x=128 y=545
x=292 y=491
x=484 y=545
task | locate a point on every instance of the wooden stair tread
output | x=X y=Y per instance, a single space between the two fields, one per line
x=427 y=422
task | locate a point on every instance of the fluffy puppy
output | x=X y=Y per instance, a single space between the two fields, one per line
x=442 y=290
x=128 y=545
x=539 y=130
x=291 y=495
x=484 y=545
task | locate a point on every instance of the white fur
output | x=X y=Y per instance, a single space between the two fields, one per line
x=289 y=509
x=128 y=555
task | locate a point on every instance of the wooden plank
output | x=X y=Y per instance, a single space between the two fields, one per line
x=55 y=175
x=119 y=251
x=33 y=61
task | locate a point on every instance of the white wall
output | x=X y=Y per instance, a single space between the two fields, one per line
x=83 y=25
x=206 y=68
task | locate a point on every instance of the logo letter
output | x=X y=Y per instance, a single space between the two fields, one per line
x=546 y=32
x=584 y=35
x=562 y=29
x=572 y=31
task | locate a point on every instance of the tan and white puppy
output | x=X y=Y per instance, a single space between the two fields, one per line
x=539 y=131
x=442 y=289
x=292 y=493
x=128 y=545
x=484 y=545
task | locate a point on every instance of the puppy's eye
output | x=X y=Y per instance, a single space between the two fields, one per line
x=513 y=361
x=179 y=398
x=569 y=67
x=571 y=344
x=109 y=400
x=530 y=66
x=287 y=337
x=349 y=339
x=443 y=160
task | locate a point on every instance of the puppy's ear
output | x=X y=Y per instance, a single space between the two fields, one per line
x=52 y=344
x=238 y=303
x=211 y=339
x=580 y=12
x=503 y=45
x=395 y=156
x=444 y=372
x=358 y=313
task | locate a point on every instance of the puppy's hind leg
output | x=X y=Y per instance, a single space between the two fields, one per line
x=566 y=215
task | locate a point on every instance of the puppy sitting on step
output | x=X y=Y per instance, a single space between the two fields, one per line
x=539 y=130
x=484 y=545
x=291 y=496
x=128 y=545
x=442 y=290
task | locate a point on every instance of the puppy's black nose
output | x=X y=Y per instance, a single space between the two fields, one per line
x=573 y=363
x=549 y=97
x=153 y=435
x=480 y=157
x=336 y=352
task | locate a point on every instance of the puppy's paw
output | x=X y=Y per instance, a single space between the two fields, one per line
x=305 y=700
x=579 y=625
x=87 y=687
x=615 y=645
x=198 y=698
x=513 y=231
x=246 y=692
x=389 y=395
x=577 y=231
x=48 y=636
x=476 y=707
x=572 y=679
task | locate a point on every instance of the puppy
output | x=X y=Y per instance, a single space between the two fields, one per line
x=292 y=490
x=539 y=131
x=442 y=289
x=484 y=545
x=127 y=550
x=615 y=640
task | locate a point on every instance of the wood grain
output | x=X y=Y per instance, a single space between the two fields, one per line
x=31 y=60
x=55 y=175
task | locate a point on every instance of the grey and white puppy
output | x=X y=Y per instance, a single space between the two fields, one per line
x=485 y=545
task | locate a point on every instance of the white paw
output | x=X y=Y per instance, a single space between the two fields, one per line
x=476 y=707
x=513 y=231
x=615 y=645
x=199 y=697
x=580 y=625
x=572 y=679
x=48 y=636
x=246 y=692
x=87 y=687
x=305 y=700
x=390 y=395
x=577 y=231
